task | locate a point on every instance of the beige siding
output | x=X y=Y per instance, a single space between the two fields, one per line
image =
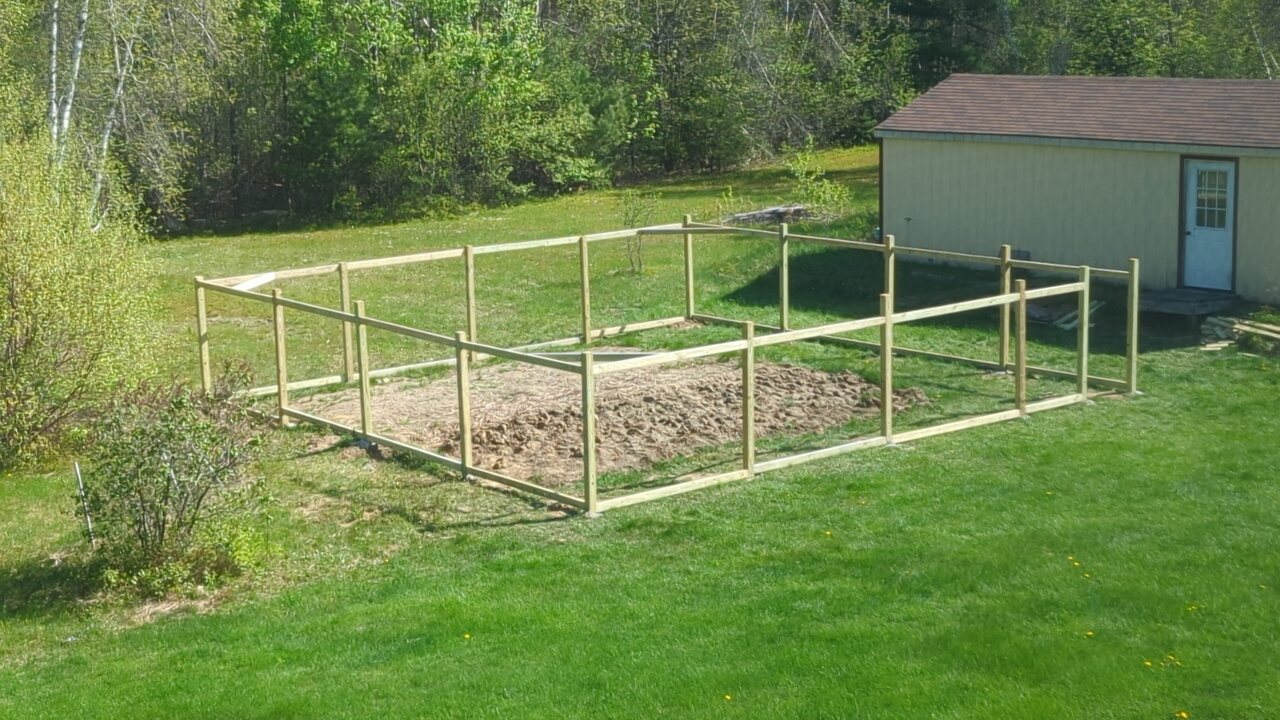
x=1258 y=230
x=1075 y=205
x=1069 y=205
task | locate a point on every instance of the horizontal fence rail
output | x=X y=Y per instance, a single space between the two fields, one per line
x=1011 y=303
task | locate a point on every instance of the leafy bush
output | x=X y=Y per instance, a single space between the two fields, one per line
x=167 y=488
x=73 y=314
x=636 y=210
x=825 y=198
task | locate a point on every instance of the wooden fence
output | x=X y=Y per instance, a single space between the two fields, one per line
x=1011 y=302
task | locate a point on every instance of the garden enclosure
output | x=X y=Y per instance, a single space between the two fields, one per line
x=585 y=366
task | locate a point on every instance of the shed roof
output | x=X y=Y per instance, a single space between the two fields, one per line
x=1189 y=111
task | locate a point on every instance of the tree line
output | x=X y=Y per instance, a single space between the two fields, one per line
x=216 y=110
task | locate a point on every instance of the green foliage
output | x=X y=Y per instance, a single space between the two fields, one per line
x=824 y=197
x=74 y=313
x=727 y=203
x=167 y=486
x=636 y=210
x=473 y=120
x=308 y=110
x=11 y=92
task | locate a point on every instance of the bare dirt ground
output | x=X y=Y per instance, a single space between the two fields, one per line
x=527 y=421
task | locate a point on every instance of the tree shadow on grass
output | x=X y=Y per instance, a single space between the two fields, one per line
x=753 y=181
x=848 y=283
x=37 y=587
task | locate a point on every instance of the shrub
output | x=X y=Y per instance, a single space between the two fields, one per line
x=636 y=210
x=167 y=487
x=73 y=314
x=825 y=198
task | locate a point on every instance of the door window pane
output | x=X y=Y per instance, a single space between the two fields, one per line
x=1211 y=198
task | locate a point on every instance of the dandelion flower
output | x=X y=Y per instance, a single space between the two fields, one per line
x=1182 y=715
x=728 y=698
x=466 y=636
x=1087 y=576
x=1075 y=563
x=1146 y=663
x=1089 y=633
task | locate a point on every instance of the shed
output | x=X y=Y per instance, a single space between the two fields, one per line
x=1182 y=173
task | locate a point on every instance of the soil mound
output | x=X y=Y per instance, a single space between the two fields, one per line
x=527 y=421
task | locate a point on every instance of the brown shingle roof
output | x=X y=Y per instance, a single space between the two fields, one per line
x=1234 y=113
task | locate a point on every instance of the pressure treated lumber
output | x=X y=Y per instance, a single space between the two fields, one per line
x=1006 y=287
x=749 y=397
x=202 y=337
x=584 y=263
x=362 y=351
x=1133 y=304
x=282 y=363
x=463 y=372
x=689 y=303
x=1082 y=334
x=886 y=367
x=812 y=455
x=890 y=266
x=344 y=302
x=677 y=488
x=469 y=287
x=953 y=308
x=839 y=242
x=1020 y=374
x=784 y=279
x=958 y=257
x=589 y=492
x=957 y=425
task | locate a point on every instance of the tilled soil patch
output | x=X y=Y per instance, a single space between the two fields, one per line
x=527 y=421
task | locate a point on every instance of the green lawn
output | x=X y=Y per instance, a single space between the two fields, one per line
x=1114 y=560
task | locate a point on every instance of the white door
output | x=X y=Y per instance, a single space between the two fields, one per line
x=1208 y=256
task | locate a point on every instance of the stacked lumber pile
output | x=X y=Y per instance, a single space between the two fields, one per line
x=771 y=216
x=1071 y=320
x=1062 y=314
x=1221 y=331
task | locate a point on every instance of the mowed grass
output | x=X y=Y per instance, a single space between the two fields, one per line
x=1114 y=560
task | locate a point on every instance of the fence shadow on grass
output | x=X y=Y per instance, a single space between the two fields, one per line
x=848 y=283
x=427 y=513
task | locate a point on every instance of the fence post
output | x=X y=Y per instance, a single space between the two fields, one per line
x=282 y=364
x=886 y=368
x=464 y=403
x=362 y=349
x=589 y=433
x=688 y=270
x=469 y=268
x=344 y=298
x=585 y=262
x=890 y=265
x=784 y=278
x=1020 y=373
x=202 y=337
x=1131 y=329
x=749 y=398
x=1006 y=287
x=1082 y=336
